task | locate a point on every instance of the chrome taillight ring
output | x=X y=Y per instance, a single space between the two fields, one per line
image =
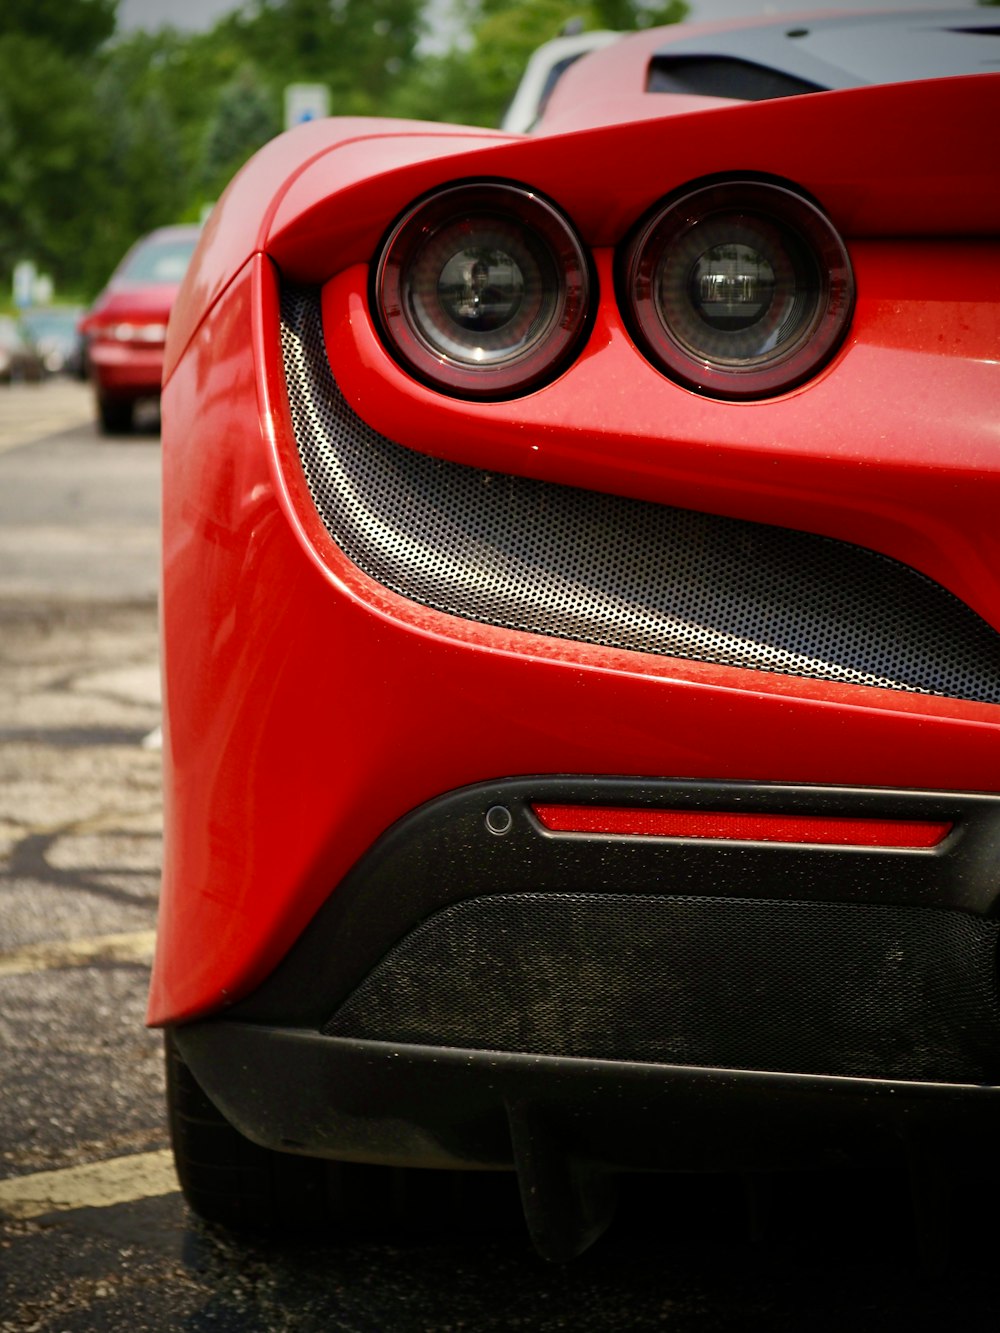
x=738 y=290
x=482 y=290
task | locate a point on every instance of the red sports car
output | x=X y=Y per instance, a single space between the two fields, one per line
x=126 y=327
x=581 y=630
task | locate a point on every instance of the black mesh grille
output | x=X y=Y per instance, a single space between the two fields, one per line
x=815 y=988
x=577 y=564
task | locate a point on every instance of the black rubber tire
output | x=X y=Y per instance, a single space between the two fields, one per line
x=115 y=415
x=228 y=1179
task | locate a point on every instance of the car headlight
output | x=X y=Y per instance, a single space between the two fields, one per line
x=738 y=290
x=482 y=291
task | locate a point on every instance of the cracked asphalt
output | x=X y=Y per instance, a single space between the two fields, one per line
x=80 y=821
x=93 y=1233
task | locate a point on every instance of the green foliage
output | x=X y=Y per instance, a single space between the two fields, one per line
x=74 y=27
x=357 y=47
x=50 y=187
x=246 y=116
x=473 y=85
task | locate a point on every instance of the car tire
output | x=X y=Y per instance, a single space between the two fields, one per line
x=228 y=1179
x=115 y=415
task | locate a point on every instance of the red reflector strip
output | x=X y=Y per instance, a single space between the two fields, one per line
x=815 y=829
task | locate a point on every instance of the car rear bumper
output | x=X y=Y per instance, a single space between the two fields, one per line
x=437 y=1107
x=484 y=992
x=120 y=370
x=472 y=924
x=567 y=1126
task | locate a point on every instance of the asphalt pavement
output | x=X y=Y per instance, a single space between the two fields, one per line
x=94 y=1234
x=79 y=515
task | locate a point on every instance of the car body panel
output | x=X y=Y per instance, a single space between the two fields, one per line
x=359 y=748
x=826 y=49
x=576 y=705
x=792 y=460
x=238 y=226
x=333 y=185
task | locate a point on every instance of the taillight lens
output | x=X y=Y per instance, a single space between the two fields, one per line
x=739 y=290
x=126 y=331
x=482 y=291
x=743 y=826
x=137 y=333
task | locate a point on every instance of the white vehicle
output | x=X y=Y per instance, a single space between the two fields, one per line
x=542 y=73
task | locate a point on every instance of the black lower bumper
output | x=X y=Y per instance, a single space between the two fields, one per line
x=567 y=1125
x=482 y=993
x=437 y=1107
x=447 y=852
x=850 y=961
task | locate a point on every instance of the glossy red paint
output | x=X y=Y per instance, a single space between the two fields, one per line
x=319 y=197
x=334 y=210
x=930 y=488
x=307 y=707
x=243 y=221
x=263 y=682
x=731 y=826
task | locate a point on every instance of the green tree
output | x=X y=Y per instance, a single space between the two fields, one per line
x=50 y=187
x=473 y=82
x=139 y=155
x=184 y=75
x=74 y=27
x=357 y=47
x=246 y=116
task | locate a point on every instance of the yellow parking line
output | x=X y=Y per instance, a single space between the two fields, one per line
x=134 y=947
x=147 y=1175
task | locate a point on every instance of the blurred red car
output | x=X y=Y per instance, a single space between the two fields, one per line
x=126 y=328
x=580 y=626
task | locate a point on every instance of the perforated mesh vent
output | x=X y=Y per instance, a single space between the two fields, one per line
x=798 y=987
x=581 y=565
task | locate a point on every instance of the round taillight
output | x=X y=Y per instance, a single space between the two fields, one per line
x=482 y=291
x=741 y=290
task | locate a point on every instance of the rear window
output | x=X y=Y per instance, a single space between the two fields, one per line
x=160 y=261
